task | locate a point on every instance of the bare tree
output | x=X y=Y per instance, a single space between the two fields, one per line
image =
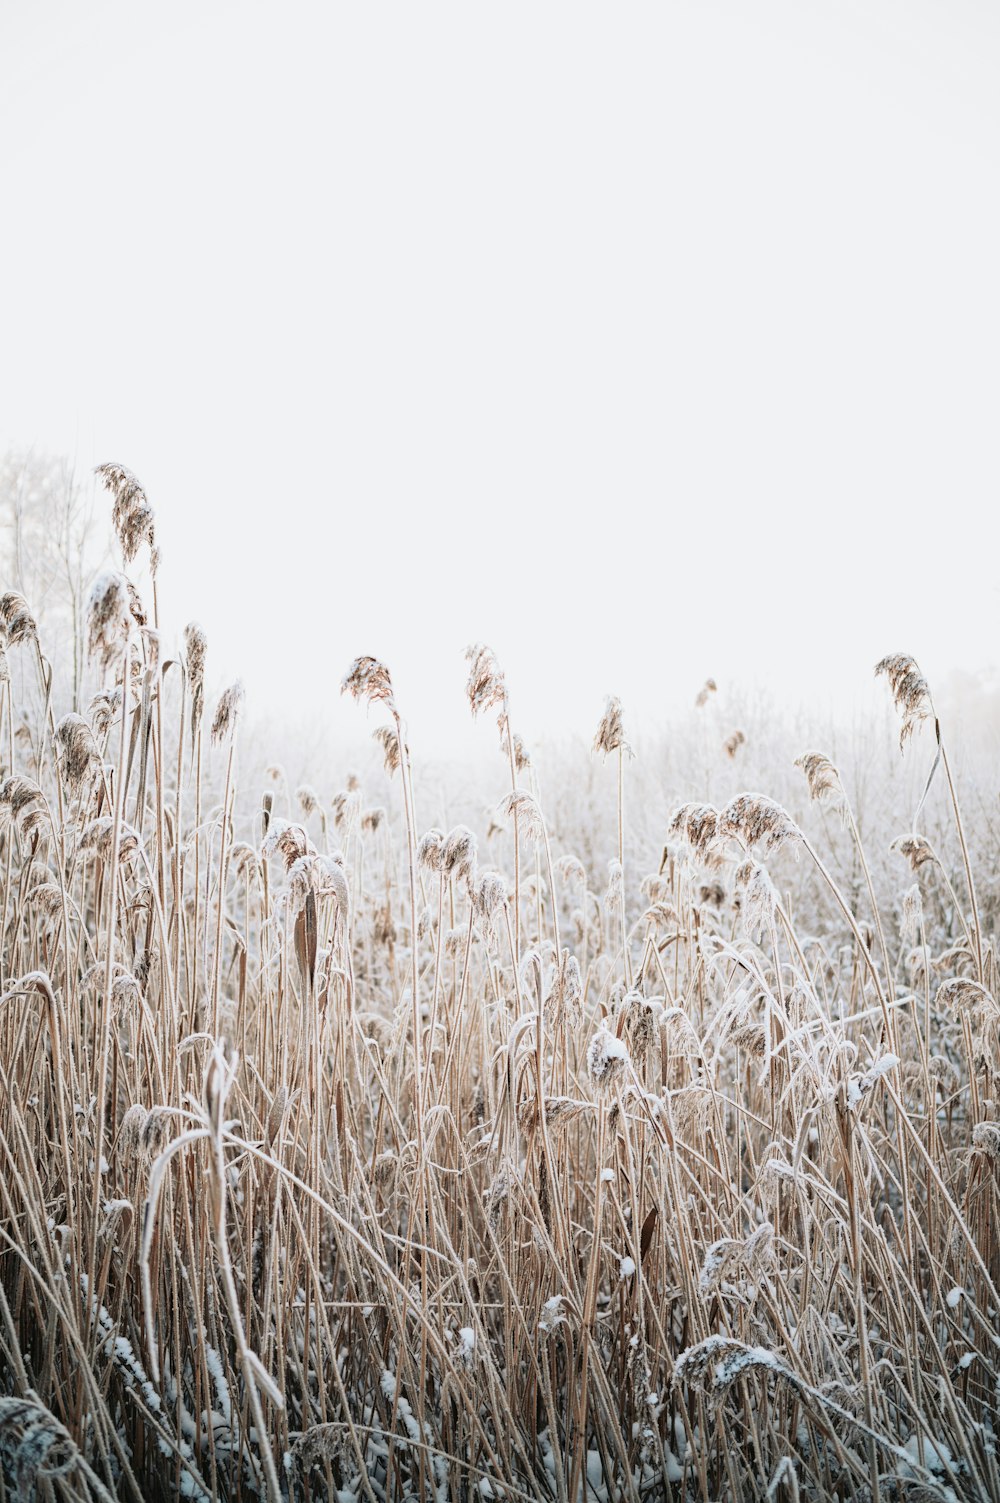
x=49 y=548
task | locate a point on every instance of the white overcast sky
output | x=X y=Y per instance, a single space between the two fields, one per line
x=643 y=342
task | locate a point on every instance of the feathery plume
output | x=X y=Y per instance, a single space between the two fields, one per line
x=607 y=1058
x=698 y=826
x=228 y=711
x=459 y=854
x=369 y=679
x=385 y=736
x=288 y=841
x=917 y=850
x=911 y=916
x=910 y=692
x=99 y=836
x=16 y=620
x=821 y=775
x=430 y=850
x=307 y=799
x=104 y=707
x=132 y=515
x=522 y=758
x=757 y=820
x=489 y=898
x=486 y=685
x=758 y=899
x=79 y=756
x=21 y=804
x=610 y=735
x=195 y=651
x=109 y=617
x=525 y=806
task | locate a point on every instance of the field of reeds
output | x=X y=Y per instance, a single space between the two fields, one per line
x=343 y=1157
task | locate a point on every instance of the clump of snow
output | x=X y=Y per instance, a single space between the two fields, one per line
x=627 y=1268
x=551 y=1315
x=954 y=1296
x=937 y=1455
x=859 y=1084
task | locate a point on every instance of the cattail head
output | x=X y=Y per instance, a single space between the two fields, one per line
x=228 y=711
x=757 y=820
x=16 y=620
x=78 y=751
x=821 y=775
x=610 y=735
x=705 y=693
x=132 y=515
x=486 y=685
x=910 y=692
x=369 y=679
x=732 y=744
x=109 y=617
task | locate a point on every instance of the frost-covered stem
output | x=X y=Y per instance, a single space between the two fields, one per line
x=888 y=1024
x=968 y=865
x=194 y=974
x=103 y=1040
x=177 y=916
x=874 y=905
x=589 y=1307
x=223 y=863
x=621 y=862
x=251 y=1367
x=517 y=840
x=852 y=922
x=437 y=980
x=847 y=1128
x=161 y=767
x=411 y=867
x=456 y=1032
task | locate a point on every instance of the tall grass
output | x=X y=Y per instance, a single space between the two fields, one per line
x=336 y=1162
